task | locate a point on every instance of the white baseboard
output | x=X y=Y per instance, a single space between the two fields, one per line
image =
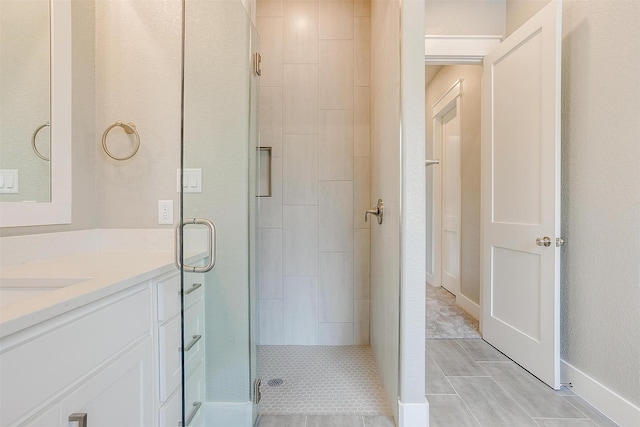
x=614 y=406
x=469 y=306
x=413 y=414
x=225 y=414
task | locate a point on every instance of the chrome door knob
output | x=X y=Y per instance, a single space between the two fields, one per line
x=543 y=241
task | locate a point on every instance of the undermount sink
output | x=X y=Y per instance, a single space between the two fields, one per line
x=14 y=289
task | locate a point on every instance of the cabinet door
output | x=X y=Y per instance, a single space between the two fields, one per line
x=119 y=394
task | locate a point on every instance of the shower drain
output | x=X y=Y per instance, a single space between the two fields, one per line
x=275 y=382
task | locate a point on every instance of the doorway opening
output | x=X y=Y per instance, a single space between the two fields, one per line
x=520 y=197
x=453 y=134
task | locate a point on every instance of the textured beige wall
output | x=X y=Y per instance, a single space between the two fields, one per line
x=519 y=11
x=465 y=17
x=601 y=192
x=412 y=312
x=137 y=80
x=385 y=184
x=470 y=165
x=600 y=189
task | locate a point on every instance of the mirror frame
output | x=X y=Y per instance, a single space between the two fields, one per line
x=58 y=209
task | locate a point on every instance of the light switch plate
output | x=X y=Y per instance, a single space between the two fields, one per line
x=8 y=181
x=192 y=180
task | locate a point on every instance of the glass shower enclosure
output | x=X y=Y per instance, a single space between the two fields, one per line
x=219 y=169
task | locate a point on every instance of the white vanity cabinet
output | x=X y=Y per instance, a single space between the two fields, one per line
x=168 y=324
x=108 y=347
x=96 y=359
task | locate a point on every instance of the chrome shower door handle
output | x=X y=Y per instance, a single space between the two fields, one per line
x=378 y=211
x=179 y=231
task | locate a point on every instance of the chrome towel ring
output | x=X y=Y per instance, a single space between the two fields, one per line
x=130 y=129
x=33 y=142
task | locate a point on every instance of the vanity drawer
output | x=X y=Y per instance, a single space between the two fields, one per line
x=169 y=346
x=170 y=413
x=169 y=293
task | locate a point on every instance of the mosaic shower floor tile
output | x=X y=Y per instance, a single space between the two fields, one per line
x=321 y=380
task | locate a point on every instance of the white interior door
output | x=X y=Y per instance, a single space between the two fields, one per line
x=447 y=191
x=451 y=193
x=521 y=195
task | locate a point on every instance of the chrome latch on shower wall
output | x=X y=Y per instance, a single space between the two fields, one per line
x=378 y=211
x=257 y=64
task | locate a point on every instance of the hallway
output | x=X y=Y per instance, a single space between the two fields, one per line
x=445 y=318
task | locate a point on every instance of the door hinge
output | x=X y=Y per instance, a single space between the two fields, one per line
x=257 y=64
x=257 y=394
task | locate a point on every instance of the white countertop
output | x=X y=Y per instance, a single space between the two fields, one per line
x=104 y=273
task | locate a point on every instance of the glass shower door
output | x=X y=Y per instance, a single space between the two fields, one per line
x=218 y=175
x=255 y=173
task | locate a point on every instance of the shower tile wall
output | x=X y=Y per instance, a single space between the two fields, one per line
x=314 y=113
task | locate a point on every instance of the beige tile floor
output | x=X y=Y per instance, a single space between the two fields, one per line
x=469 y=383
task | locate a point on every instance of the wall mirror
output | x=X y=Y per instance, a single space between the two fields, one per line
x=35 y=112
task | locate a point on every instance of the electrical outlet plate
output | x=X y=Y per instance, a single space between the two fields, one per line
x=165 y=211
